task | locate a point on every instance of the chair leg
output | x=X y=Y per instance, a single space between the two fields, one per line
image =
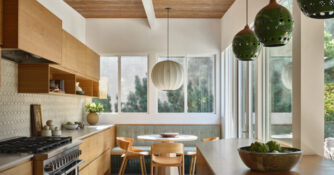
x=144 y=164
x=191 y=165
x=194 y=166
x=126 y=162
x=122 y=165
x=141 y=166
x=152 y=168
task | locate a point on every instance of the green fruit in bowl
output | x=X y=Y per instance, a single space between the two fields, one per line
x=274 y=146
x=259 y=147
x=69 y=123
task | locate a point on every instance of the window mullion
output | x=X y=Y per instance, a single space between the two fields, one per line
x=185 y=72
x=119 y=84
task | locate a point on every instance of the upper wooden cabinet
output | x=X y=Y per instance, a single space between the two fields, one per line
x=79 y=58
x=92 y=67
x=73 y=52
x=30 y=27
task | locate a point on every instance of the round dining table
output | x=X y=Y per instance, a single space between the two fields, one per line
x=158 y=138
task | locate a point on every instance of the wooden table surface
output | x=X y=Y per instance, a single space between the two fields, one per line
x=158 y=138
x=222 y=158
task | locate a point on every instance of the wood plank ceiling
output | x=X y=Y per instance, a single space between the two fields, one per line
x=135 y=9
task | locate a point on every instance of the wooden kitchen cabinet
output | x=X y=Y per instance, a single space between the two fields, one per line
x=80 y=58
x=96 y=151
x=92 y=66
x=30 y=27
x=25 y=168
x=100 y=166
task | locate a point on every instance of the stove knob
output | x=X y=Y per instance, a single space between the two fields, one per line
x=48 y=168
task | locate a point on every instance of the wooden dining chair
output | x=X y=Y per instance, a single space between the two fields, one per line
x=131 y=153
x=167 y=155
x=193 y=155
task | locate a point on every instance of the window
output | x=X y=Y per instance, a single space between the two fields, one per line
x=133 y=84
x=171 y=101
x=200 y=84
x=329 y=87
x=125 y=80
x=109 y=77
x=278 y=62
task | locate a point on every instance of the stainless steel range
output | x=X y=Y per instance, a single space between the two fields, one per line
x=52 y=155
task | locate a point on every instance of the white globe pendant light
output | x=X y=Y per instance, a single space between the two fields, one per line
x=167 y=75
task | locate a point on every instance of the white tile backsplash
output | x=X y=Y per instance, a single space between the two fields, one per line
x=15 y=107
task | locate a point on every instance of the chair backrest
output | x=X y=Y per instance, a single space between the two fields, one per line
x=210 y=139
x=125 y=143
x=167 y=148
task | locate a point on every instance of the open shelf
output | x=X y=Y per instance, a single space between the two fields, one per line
x=35 y=78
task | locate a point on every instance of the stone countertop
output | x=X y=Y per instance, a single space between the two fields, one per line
x=87 y=131
x=8 y=160
x=223 y=158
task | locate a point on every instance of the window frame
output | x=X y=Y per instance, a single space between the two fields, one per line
x=153 y=92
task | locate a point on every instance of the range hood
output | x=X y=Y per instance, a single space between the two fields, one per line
x=21 y=56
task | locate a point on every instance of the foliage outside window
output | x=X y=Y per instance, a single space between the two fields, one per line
x=133 y=83
x=329 y=77
x=200 y=84
x=171 y=101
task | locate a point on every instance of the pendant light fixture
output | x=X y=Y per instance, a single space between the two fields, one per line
x=323 y=9
x=167 y=75
x=245 y=44
x=274 y=25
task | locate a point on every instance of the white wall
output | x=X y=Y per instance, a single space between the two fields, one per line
x=110 y=37
x=73 y=22
x=235 y=19
x=133 y=36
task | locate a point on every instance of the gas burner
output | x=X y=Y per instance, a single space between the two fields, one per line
x=33 y=144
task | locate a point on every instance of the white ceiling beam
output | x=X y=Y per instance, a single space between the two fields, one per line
x=150 y=14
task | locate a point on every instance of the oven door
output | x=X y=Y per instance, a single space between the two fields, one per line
x=72 y=169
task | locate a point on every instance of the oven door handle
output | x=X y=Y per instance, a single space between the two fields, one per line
x=75 y=166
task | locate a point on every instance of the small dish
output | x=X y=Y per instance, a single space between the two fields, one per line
x=70 y=127
x=169 y=134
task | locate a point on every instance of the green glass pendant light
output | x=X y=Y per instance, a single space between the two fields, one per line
x=245 y=44
x=319 y=9
x=274 y=25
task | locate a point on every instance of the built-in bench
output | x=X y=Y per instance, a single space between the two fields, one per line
x=132 y=131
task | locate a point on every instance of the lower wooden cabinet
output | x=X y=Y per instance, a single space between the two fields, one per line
x=100 y=166
x=25 y=168
x=96 y=151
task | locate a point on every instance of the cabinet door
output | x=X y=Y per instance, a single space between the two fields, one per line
x=21 y=169
x=93 y=64
x=1 y=25
x=100 y=166
x=72 y=53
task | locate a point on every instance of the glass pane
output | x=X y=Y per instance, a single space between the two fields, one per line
x=200 y=84
x=279 y=89
x=171 y=101
x=133 y=84
x=329 y=87
x=109 y=75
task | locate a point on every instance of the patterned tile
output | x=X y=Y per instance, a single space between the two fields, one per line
x=15 y=107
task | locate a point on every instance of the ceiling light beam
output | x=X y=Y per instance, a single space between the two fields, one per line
x=150 y=14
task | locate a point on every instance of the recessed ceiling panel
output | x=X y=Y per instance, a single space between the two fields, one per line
x=192 y=8
x=108 y=8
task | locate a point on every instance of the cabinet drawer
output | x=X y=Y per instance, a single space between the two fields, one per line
x=21 y=169
x=100 y=166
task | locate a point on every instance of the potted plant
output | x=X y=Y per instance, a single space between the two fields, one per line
x=93 y=109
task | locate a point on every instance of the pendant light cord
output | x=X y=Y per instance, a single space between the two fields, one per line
x=168 y=33
x=246 y=12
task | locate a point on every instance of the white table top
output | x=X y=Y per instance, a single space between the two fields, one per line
x=158 y=138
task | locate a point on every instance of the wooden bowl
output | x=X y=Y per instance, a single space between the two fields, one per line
x=267 y=162
x=169 y=134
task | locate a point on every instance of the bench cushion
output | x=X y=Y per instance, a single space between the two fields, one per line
x=119 y=151
x=201 y=131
